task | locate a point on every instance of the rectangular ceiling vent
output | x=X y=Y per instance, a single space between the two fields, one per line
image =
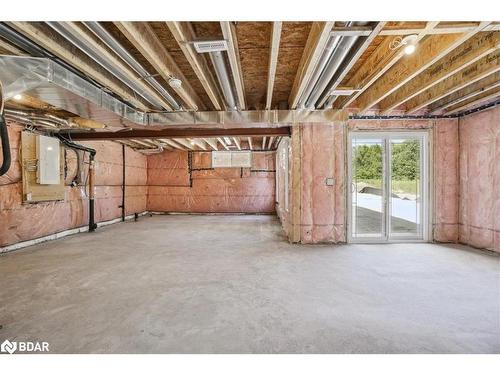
x=210 y=46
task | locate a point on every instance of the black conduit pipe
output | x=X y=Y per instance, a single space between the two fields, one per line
x=123 y=184
x=92 y=153
x=4 y=134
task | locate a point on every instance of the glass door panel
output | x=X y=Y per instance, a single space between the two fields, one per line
x=368 y=188
x=405 y=186
x=388 y=177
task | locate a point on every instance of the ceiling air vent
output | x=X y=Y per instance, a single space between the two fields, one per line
x=210 y=46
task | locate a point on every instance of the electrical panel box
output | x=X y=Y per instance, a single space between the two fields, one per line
x=33 y=191
x=231 y=159
x=48 y=154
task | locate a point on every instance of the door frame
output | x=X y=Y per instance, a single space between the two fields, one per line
x=427 y=198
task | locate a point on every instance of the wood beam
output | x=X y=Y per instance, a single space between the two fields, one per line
x=237 y=142
x=198 y=142
x=172 y=143
x=184 y=34
x=212 y=143
x=273 y=61
x=315 y=45
x=428 y=52
x=180 y=133
x=366 y=30
x=373 y=33
x=250 y=145
x=466 y=93
x=264 y=139
x=187 y=144
x=464 y=55
x=142 y=36
x=47 y=38
x=473 y=73
x=11 y=49
x=475 y=101
x=379 y=62
x=270 y=144
x=229 y=33
x=223 y=143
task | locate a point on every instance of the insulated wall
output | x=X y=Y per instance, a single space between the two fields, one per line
x=21 y=222
x=182 y=181
x=480 y=179
x=322 y=149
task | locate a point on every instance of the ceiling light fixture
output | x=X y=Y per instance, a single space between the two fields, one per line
x=175 y=83
x=409 y=42
x=18 y=97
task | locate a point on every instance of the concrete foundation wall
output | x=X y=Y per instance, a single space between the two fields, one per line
x=21 y=222
x=479 y=202
x=175 y=186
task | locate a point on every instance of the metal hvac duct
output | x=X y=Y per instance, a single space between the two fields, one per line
x=116 y=47
x=342 y=49
x=224 y=81
x=324 y=59
x=66 y=30
x=48 y=81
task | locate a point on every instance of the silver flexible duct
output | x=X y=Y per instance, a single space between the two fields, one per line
x=65 y=31
x=223 y=77
x=116 y=47
x=342 y=51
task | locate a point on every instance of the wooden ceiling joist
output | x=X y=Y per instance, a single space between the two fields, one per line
x=5 y=46
x=466 y=93
x=184 y=142
x=172 y=143
x=250 y=145
x=273 y=61
x=315 y=45
x=142 y=36
x=464 y=55
x=401 y=31
x=473 y=73
x=198 y=142
x=430 y=50
x=50 y=40
x=229 y=33
x=212 y=143
x=184 y=35
x=484 y=97
x=377 y=64
x=237 y=142
x=221 y=141
x=340 y=77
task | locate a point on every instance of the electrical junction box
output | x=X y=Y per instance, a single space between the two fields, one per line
x=329 y=181
x=48 y=154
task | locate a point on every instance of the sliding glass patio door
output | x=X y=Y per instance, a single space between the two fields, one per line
x=388 y=186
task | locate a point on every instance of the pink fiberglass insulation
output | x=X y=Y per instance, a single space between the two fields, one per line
x=323 y=152
x=322 y=206
x=175 y=187
x=283 y=160
x=446 y=182
x=480 y=179
x=23 y=222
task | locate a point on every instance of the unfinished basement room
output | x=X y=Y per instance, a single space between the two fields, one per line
x=250 y=186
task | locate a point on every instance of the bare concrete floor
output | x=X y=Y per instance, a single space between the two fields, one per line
x=231 y=284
